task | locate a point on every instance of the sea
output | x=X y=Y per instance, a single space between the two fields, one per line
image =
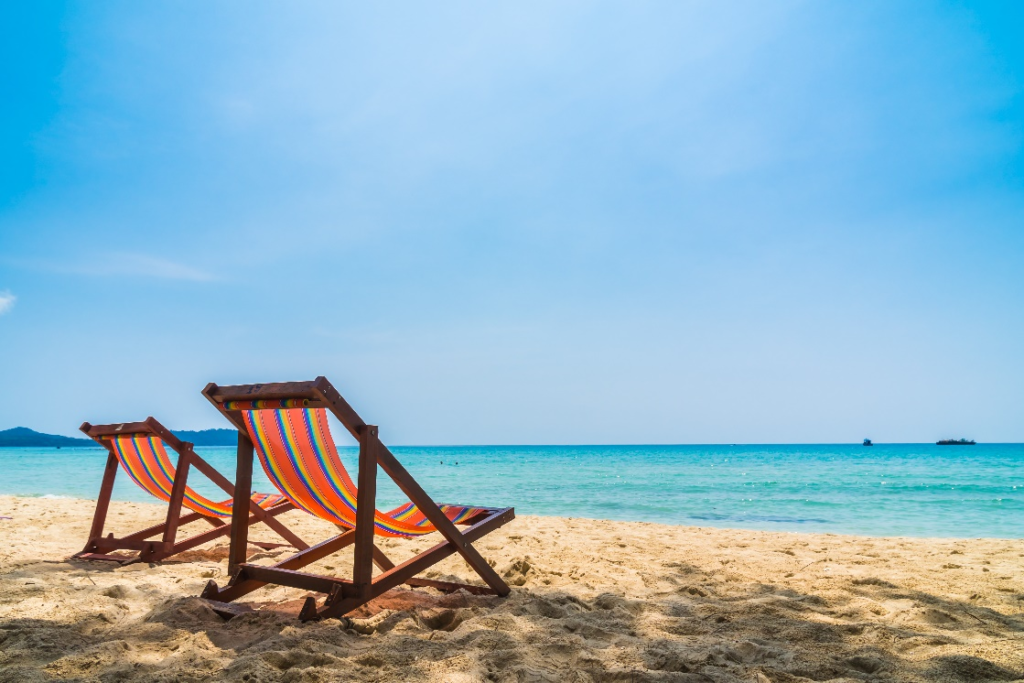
x=919 y=490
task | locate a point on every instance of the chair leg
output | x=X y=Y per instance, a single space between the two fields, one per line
x=338 y=604
x=155 y=551
x=385 y=564
x=240 y=585
x=394 y=469
x=99 y=517
x=344 y=596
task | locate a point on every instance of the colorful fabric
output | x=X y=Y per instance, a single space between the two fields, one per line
x=297 y=452
x=144 y=458
x=267 y=404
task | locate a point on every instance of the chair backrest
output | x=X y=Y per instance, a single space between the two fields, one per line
x=295 y=449
x=144 y=458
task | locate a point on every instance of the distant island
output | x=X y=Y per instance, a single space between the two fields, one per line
x=955 y=442
x=23 y=437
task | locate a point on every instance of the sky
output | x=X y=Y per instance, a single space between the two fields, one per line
x=519 y=223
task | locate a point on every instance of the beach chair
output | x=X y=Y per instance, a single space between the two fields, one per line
x=140 y=449
x=286 y=426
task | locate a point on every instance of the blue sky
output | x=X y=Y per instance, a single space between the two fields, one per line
x=579 y=222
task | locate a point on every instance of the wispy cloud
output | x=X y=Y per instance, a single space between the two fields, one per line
x=6 y=301
x=118 y=264
x=146 y=266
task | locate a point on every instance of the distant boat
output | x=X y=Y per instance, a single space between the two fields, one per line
x=867 y=442
x=955 y=442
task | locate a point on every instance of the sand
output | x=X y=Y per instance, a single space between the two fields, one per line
x=593 y=601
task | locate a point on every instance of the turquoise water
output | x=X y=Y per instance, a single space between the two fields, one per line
x=887 y=490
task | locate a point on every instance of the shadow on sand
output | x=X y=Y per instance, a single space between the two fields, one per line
x=699 y=629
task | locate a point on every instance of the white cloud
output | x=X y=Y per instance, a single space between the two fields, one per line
x=6 y=301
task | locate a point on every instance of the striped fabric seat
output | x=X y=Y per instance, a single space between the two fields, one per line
x=295 y=448
x=144 y=458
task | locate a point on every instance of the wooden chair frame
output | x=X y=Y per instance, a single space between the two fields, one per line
x=99 y=545
x=345 y=595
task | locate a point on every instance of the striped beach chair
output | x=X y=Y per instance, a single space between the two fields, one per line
x=140 y=449
x=285 y=427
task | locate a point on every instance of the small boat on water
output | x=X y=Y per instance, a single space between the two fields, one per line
x=955 y=442
x=867 y=442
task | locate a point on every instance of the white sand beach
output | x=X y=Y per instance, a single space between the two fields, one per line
x=592 y=601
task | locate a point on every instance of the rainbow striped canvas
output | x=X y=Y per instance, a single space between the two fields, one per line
x=145 y=460
x=297 y=452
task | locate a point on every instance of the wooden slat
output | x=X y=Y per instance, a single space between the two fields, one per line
x=345 y=413
x=366 y=500
x=229 y=488
x=159 y=528
x=177 y=495
x=213 y=475
x=384 y=563
x=255 y=392
x=426 y=559
x=381 y=560
x=238 y=588
x=167 y=436
x=389 y=463
x=122 y=429
x=154 y=551
x=267 y=517
x=318 y=552
x=99 y=517
x=294 y=579
x=211 y=534
x=189 y=543
x=233 y=416
x=240 y=508
x=408 y=569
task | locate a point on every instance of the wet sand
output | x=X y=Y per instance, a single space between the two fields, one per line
x=592 y=601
